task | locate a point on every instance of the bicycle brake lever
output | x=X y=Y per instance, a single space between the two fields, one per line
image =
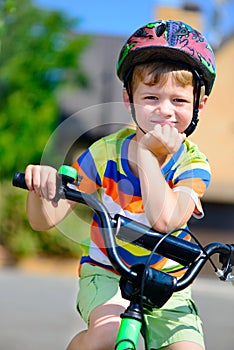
x=230 y=278
x=66 y=175
x=223 y=276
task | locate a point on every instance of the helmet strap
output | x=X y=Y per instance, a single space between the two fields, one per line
x=133 y=112
x=197 y=93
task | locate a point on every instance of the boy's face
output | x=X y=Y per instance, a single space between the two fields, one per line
x=170 y=104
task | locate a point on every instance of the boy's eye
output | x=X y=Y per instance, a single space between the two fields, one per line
x=180 y=100
x=151 y=98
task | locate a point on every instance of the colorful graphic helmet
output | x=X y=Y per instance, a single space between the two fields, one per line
x=168 y=40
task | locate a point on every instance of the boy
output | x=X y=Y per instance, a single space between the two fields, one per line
x=153 y=175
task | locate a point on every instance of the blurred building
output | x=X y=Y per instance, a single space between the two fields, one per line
x=215 y=133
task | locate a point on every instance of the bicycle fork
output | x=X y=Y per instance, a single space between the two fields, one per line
x=130 y=328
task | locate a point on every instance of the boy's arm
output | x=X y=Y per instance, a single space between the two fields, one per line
x=166 y=210
x=42 y=212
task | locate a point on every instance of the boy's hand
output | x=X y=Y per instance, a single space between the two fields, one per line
x=163 y=140
x=41 y=179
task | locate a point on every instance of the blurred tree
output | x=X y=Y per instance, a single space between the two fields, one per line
x=39 y=54
x=6 y=7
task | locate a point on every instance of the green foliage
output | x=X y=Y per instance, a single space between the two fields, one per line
x=39 y=55
x=6 y=7
x=21 y=241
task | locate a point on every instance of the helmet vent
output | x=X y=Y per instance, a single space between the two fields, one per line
x=141 y=33
x=182 y=32
x=161 y=29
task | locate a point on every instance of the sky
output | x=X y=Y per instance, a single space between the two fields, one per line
x=112 y=17
x=123 y=17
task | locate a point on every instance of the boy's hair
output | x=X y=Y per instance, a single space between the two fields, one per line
x=157 y=73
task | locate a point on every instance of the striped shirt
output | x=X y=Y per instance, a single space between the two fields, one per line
x=105 y=170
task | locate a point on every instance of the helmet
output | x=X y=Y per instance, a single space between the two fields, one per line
x=168 y=40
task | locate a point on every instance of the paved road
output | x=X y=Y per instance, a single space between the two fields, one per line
x=37 y=312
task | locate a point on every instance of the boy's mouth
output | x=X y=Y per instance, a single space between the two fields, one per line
x=164 y=122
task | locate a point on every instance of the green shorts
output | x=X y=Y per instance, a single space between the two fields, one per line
x=177 y=320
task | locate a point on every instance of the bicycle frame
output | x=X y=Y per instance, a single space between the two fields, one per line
x=158 y=286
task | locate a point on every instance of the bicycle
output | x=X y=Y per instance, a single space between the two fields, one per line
x=143 y=286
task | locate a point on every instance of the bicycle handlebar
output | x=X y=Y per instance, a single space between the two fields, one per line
x=19 y=180
x=184 y=252
x=99 y=208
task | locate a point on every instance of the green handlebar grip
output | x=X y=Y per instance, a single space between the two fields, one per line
x=68 y=171
x=128 y=335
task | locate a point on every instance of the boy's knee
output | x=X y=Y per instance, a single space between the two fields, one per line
x=103 y=337
x=97 y=338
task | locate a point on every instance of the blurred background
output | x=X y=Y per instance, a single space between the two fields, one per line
x=57 y=60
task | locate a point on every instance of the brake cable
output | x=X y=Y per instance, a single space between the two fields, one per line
x=147 y=264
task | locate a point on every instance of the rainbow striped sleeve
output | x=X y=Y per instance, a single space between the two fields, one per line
x=189 y=171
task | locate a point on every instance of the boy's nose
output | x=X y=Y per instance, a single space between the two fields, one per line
x=164 y=109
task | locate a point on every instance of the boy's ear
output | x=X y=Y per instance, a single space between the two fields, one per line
x=202 y=103
x=126 y=100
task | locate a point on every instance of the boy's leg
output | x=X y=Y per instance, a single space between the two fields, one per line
x=184 y=345
x=102 y=331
